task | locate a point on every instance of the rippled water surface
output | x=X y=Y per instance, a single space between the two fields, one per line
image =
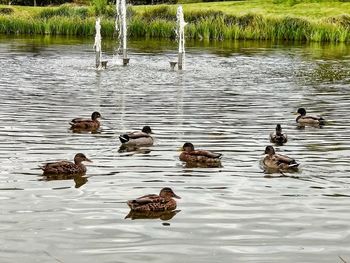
x=228 y=100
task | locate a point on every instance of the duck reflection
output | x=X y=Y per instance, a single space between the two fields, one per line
x=78 y=179
x=163 y=215
x=84 y=131
x=202 y=165
x=133 y=149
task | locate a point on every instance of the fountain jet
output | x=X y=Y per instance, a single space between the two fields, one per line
x=121 y=28
x=97 y=46
x=181 y=37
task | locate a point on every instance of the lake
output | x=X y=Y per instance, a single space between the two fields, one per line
x=228 y=99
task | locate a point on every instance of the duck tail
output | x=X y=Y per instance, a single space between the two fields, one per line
x=124 y=138
x=293 y=165
x=130 y=203
x=322 y=121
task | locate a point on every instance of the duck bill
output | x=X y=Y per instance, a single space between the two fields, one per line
x=176 y=196
x=295 y=113
x=181 y=149
x=88 y=160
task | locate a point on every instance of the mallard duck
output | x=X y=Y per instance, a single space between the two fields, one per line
x=162 y=202
x=201 y=157
x=278 y=137
x=86 y=124
x=138 y=138
x=308 y=120
x=279 y=162
x=66 y=167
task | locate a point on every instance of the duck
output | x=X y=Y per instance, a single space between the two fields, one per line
x=86 y=124
x=156 y=203
x=311 y=120
x=138 y=138
x=66 y=167
x=278 y=137
x=279 y=162
x=199 y=157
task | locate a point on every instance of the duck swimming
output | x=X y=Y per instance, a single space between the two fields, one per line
x=200 y=157
x=278 y=137
x=279 y=162
x=86 y=124
x=138 y=138
x=66 y=167
x=157 y=203
x=308 y=120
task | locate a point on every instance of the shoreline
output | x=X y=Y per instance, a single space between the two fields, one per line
x=159 y=22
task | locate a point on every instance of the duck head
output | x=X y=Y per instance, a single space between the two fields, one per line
x=95 y=115
x=79 y=158
x=278 y=129
x=188 y=147
x=147 y=129
x=168 y=193
x=269 y=150
x=301 y=111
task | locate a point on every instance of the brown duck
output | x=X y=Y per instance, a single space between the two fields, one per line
x=201 y=157
x=278 y=137
x=303 y=119
x=66 y=167
x=279 y=162
x=137 y=138
x=86 y=124
x=157 y=203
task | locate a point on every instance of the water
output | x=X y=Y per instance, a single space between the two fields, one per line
x=228 y=100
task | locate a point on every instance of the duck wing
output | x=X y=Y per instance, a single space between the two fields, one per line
x=311 y=119
x=84 y=124
x=124 y=138
x=77 y=120
x=138 y=134
x=206 y=154
x=145 y=202
x=283 y=159
x=62 y=167
x=56 y=164
x=148 y=199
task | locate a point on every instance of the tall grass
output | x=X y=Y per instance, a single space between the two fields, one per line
x=160 y=22
x=65 y=11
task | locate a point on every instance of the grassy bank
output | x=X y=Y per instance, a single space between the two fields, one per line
x=327 y=21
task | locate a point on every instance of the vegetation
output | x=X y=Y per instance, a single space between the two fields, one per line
x=322 y=21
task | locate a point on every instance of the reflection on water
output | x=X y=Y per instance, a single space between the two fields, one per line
x=165 y=215
x=228 y=100
x=78 y=179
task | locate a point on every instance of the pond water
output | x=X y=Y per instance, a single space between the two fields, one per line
x=229 y=98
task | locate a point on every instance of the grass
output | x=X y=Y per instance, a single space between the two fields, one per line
x=294 y=20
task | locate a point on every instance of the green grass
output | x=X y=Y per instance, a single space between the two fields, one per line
x=321 y=21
